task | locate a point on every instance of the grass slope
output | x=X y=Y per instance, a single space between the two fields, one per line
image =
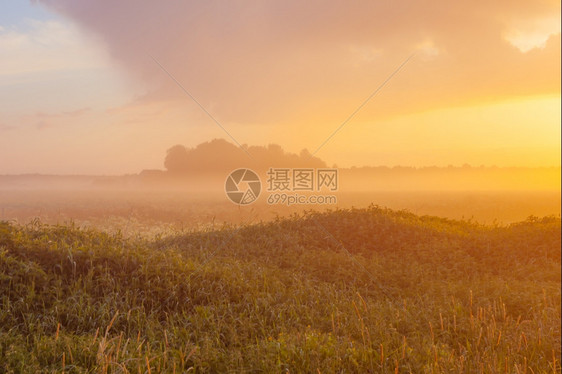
x=368 y=290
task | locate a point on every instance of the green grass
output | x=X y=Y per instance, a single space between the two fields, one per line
x=418 y=294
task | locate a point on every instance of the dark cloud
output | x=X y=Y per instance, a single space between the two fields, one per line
x=278 y=60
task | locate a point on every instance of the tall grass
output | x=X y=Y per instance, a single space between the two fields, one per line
x=369 y=290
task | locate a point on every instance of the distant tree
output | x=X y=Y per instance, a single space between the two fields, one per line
x=177 y=159
x=308 y=159
x=218 y=155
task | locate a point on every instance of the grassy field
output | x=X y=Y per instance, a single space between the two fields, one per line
x=366 y=291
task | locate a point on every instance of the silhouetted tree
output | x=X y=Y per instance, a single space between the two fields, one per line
x=218 y=155
x=177 y=159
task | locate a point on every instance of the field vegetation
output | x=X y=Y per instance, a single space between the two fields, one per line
x=358 y=290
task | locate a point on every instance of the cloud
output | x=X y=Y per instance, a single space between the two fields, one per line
x=53 y=66
x=49 y=120
x=4 y=127
x=428 y=50
x=43 y=46
x=41 y=125
x=258 y=62
x=45 y=120
x=65 y=114
x=528 y=34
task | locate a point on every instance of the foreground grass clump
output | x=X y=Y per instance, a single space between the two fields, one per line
x=369 y=290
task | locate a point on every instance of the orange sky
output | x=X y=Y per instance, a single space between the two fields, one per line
x=79 y=92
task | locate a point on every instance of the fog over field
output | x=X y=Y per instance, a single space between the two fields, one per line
x=189 y=192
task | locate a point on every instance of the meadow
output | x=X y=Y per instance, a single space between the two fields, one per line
x=368 y=290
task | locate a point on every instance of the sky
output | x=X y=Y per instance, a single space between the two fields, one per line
x=94 y=87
